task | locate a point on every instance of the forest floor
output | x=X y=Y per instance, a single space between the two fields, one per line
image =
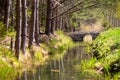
x=38 y=55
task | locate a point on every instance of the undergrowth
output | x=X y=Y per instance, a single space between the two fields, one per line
x=60 y=43
x=106 y=54
x=10 y=66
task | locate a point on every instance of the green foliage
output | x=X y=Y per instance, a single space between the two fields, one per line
x=7 y=61
x=106 y=48
x=5 y=52
x=3 y=31
x=29 y=12
x=74 y=20
x=88 y=64
x=11 y=32
x=117 y=10
x=103 y=44
x=60 y=43
x=6 y=71
x=106 y=25
x=107 y=3
x=106 y=54
x=38 y=57
x=8 y=64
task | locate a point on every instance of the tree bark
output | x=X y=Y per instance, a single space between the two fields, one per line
x=7 y=13
x=11 y=43
x=56 y=20
x=48 y=20
x=18 y=25
x=37 y=29
x=24 y=26
x=12 y=13
x=32 y=27
x=52 y=24
x=52 y=20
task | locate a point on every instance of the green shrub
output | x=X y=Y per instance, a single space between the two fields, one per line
x=107 y=50
x=3 y=31
x=106 y=43
x=59 y=43
x=6 y=70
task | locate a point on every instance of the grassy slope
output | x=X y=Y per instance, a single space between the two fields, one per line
x=106 y=53
x=9 y=65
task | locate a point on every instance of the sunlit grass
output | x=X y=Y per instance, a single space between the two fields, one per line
x=6 y=70
x=88 y=64
x=105 y=50
x=59 y=43
x=37 y=55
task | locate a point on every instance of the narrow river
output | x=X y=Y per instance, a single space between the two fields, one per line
x=61 y=67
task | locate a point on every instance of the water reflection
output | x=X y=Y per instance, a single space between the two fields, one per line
x=63 y=68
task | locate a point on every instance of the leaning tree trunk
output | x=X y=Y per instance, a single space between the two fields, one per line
x=37 y=23
x=32 y=27
x=24 y=26
x=7 y=13
x=48 y=20
x=18 y=25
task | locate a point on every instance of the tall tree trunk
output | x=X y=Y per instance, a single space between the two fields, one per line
x=62 y=24
x=32 y=27
x=2 y=8
x=24 y=26
x=18 y=25
x=58 y=23
x=12 y=13
x=37 y=23
x=52 y=20
x=52 y=23
x=11 y=43
x=7 y=13
x=56 y=19
x=48 y=20
x=12 y=23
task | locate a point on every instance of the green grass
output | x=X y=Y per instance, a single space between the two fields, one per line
x=10 y=66
x=3 y=31
x=88 y=64
x=60 y=43
x=6 y=71
x=108 y=39
x=106 y=51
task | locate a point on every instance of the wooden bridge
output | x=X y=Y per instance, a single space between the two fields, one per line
x=79 y=36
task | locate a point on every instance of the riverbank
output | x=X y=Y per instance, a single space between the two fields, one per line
x=105 y=51
x=38 y=55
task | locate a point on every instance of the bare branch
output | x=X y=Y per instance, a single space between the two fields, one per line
x=69 y=9
x=57 y=4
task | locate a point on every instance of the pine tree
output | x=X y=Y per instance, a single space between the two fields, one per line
x=24 y=26
x=18 y=26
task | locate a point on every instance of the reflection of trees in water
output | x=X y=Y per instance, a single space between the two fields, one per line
x=66 y=64
x=62 y=69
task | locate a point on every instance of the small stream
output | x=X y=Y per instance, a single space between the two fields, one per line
x=65 y=67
